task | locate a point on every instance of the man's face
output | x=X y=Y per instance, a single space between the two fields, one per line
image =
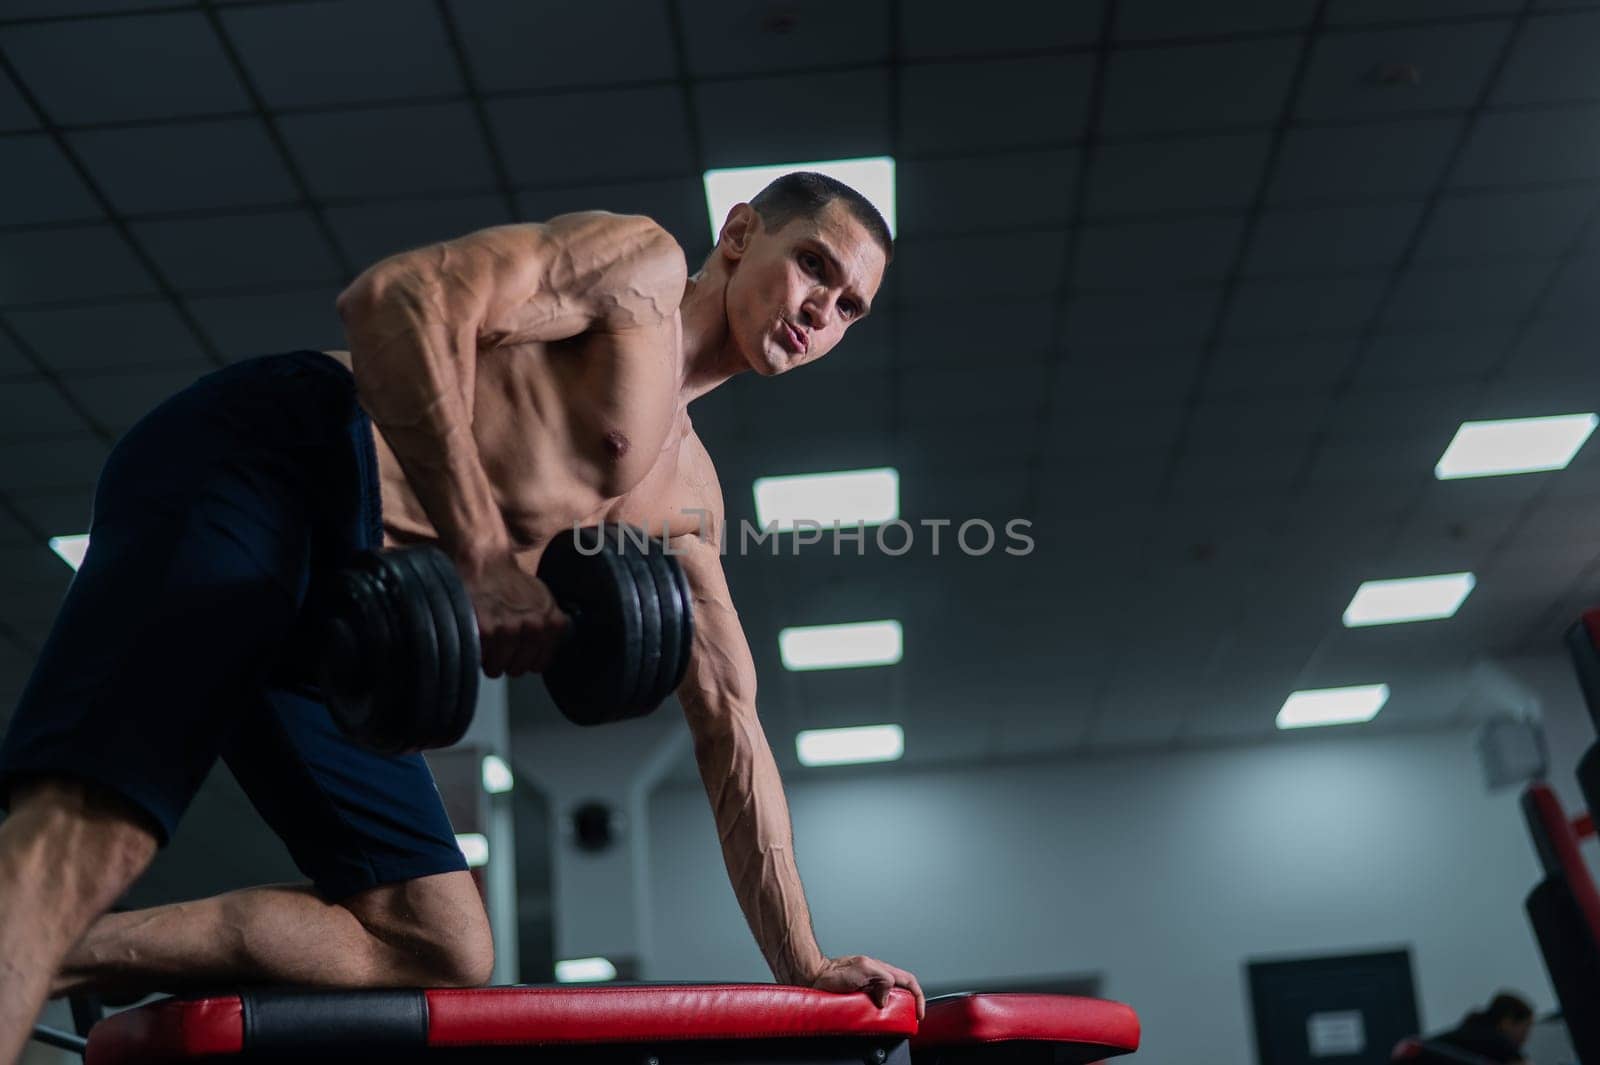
x=794 y=292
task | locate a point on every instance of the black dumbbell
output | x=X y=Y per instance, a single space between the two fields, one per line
x=399 y=643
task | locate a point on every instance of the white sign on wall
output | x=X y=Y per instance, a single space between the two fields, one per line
x=1336 y=1033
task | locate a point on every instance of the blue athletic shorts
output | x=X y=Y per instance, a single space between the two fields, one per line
x=177 y=641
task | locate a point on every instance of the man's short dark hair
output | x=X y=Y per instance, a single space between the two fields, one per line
x=804 y=194
x=1507 y=1007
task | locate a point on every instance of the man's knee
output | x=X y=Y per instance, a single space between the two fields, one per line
x=437 y=924
x=89 y=843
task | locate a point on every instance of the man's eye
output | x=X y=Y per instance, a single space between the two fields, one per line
x=811 y=262
x=848 y=308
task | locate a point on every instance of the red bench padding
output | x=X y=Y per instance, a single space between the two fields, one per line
x=165 y=1031
x=540 y=1015
x=536 y=1016
x=1558 y=832
x=964 y=1020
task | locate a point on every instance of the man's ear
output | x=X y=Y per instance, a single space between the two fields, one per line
x=741 y=225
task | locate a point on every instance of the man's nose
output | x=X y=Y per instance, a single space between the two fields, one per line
x=818 y=312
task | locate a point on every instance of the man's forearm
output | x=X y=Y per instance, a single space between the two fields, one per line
x=753 y=826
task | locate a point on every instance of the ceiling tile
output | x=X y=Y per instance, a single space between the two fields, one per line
x=1288 y=308
x=1154 y=19
x=957 y=195
x=934 y=395
x=1245 y=472
x=1285 y=366
x=117 y=400
x=946 y=27
x=1159 y=90
x=106 y=336
x=960 y=106
x=1455 y=62
x=13 y=362
x=1140 y=254
x=242 y=326
x=595 y=135
x=1516 y=147
x=390 y=151
x=739 y=37
x=1103 y=430
x=187 y=166
x=533 y=46
x=89 y=262
x=1234 y=424
x=270 y=248
x=1342 y=12
x=58 y=514
x=50 y=466
x=1204 y=173
x=348 y=51
x=22 y=9
x=1559 y=347
x=1331 y=239
x=182 y=69
x=678 y=205
x=32 y=408
x=1572 y=286
x=372 y=231
x=15 y=114
x=1337 y=164
x=41 y=184
x=1516 y=225
x=1093 y=375
x=1125 y=317
x=941 y=269
x=1428 y=412
x=1442 y=296
x=986 y=333
x=1417 y=357
x=1552 y=60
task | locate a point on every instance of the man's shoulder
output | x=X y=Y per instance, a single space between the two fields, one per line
x=627 y=253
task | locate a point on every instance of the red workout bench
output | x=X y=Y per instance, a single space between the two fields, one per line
x=648 y=1024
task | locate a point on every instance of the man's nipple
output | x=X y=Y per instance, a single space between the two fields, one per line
x=617 y=445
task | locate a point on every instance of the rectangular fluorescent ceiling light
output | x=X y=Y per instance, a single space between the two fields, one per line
x=71 y=548
x=1333 y=706
x=861 y=643
x=850 y=746
x=585 y=971
x=1408 y=599
x=1518 y=445
x=873 y=178
x=474 y=847
x=868 y=497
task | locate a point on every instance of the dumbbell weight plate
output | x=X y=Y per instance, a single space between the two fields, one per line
x=671 y=604
x=641 y=701
x=442 y=722
x=352 y=642
x=470 y=659
x=403 y=715
x=595 y=671
x=686 y=641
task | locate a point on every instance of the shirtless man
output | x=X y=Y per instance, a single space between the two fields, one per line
x=498 y=389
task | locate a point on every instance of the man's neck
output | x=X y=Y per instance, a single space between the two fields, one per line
x=709 y=356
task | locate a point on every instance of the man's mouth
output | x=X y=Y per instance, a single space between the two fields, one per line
x=797 y=340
